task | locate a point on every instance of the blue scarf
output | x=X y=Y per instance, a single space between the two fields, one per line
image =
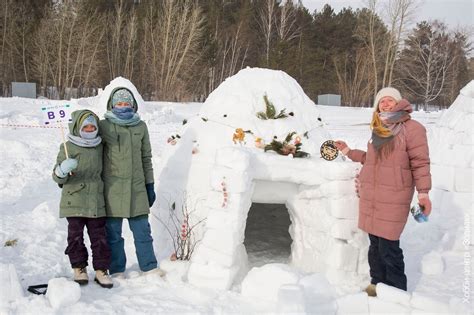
x=133 y=120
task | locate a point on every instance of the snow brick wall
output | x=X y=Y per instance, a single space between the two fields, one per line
x=452 y=165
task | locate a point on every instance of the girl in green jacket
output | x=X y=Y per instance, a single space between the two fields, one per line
x=82 y=198
x=128 y=179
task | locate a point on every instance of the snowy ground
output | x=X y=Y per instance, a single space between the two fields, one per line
x=29 y=213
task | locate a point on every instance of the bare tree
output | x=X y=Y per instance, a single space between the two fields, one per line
x=384 y=45
x=66 y=48
x=373 y=36
x=230 y=56
x=122 y=26
x=266 y=20
x=174 y=29
x=16 y=27
x=286 y=25
x=354 y=79
x=399 y=13
x=426 y=61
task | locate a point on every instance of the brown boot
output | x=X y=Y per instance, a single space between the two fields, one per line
x=103 y=279
x=371 y=290
x=80 y=275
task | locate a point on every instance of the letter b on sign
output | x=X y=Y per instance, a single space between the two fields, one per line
x=51 y=115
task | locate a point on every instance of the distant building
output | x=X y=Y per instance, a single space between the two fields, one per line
x=23 y=89
x=329 y=99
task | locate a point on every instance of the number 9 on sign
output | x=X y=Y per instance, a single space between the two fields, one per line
x=56 y=114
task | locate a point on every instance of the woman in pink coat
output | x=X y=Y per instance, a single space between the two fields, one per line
x=396 y=162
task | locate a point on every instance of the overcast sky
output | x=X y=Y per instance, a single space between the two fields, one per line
x=452 y=12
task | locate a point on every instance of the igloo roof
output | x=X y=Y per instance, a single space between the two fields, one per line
x=236 y=102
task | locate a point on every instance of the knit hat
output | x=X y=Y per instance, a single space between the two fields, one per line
x=123 y=95
x=388 y=91
x=88 y=120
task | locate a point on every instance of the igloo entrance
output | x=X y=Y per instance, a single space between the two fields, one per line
x=267 y=239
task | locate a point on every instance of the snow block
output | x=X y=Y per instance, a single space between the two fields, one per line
x=353 y=304
x=317 y=284
x=205 y=255
x=337 y=170
x=309 y=192
x=224 y=240
x=393 y=295
x=425 y=303
x=443 y=176
x=273 y=192
x=464 y=154
x=211 y=276
x=62 y=292
x=343 y=229
x=291 y=299
x=265 y=282
x=432 y=264
x=338 y=188
x=235 y=201
x=175 y=270
x=10 y=287
x=463 y=178
x=217 y=219
x=339 y=277
x=344 y=208
x=458 y=306
x=342 y=256
x=379 y=306
x=233 y=158
x=236 y=181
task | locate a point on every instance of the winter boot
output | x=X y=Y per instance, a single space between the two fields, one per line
x=371 y=290
x=103 y=279
x=80 y=275
x=157 y=271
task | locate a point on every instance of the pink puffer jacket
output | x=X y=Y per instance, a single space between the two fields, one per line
x=387 y=185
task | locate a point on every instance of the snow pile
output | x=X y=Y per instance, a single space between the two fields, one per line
x=267 y=281
x=62 y=292
x=432 y=264
x=10 y=287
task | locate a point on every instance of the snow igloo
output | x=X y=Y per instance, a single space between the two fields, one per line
x=452 y=168
x=220 y=180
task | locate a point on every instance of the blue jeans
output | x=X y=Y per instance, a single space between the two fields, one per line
x=143 y=243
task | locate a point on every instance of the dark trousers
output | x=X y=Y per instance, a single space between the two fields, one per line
x=386 y=262
x=76 y=250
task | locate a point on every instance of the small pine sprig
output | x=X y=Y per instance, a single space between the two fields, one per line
x=270 y=111
x=288 y=146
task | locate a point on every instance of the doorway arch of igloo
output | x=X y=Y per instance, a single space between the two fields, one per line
x=323 y=210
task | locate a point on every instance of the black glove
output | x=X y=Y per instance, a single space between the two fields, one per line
x=150 y=191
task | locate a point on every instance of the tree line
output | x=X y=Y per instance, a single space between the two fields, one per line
x=181 y=50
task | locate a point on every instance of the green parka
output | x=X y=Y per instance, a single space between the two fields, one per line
x=83 y=191
x=127 y=166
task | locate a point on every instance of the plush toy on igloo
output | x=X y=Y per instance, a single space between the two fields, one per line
x=221 y=174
